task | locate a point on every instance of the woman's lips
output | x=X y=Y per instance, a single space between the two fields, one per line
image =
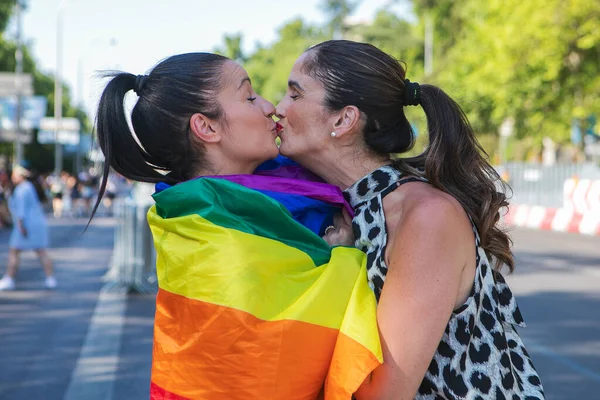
x=278 y=127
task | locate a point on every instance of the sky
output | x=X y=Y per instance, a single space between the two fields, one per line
x=134 y=35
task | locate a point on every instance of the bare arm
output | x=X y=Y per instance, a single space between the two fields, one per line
x=420 y=292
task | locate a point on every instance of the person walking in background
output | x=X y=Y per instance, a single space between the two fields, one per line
x=30 y=229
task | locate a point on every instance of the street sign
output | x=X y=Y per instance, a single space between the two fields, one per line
x=84 y=145
x=11 y=136
x=33 y=110
x=64 y=137
x=9 y=81
x=66 y=124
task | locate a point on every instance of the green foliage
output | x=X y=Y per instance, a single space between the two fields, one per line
x=537 y=61
x=393 y=35
x=43 y=85
x=6 y=11
x=337 y=11
x=270 y=66
x=232 y=47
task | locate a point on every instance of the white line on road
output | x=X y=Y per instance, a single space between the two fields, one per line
x=95 y=372
x=566 y=361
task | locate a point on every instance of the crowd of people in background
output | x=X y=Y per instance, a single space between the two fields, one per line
x=70 y=195
x=74 y=195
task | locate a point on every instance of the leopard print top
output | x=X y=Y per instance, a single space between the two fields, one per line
x=481 y=355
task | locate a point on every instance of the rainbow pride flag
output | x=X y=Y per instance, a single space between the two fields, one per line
x=252 y=304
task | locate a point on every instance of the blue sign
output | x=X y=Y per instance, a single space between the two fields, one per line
x=33 y=110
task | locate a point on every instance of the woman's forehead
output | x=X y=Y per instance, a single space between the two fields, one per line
x=233 y=74
x=299 y=75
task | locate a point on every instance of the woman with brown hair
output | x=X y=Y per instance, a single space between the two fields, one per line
x=428 y=224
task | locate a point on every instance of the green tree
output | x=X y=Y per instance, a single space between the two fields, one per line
x=536 y=61
x=6 y=11
x=43 y=85
x=395 y=36
x=232 y=47
x=270 y=66
x=337 y=11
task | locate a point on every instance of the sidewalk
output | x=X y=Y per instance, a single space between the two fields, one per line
x=79 y=338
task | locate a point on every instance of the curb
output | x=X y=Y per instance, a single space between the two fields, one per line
x=553 y=219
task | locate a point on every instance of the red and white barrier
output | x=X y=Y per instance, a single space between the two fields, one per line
x=582 y=195
x=554 y=219
x=580 y=212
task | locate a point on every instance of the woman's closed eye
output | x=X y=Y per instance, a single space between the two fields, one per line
x=251 y=95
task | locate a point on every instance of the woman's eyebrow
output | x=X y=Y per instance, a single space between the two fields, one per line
x=246 y=79
x=295 y=85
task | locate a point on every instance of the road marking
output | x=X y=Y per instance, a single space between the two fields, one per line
x=96 y=369
x=566 y=361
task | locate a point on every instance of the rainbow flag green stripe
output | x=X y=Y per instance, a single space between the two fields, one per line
x=234 y=206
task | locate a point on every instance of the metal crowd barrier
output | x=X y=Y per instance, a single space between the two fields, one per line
x=540 y=185
x=133 y=263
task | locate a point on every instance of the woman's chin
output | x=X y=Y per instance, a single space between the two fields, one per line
x=274 y=152
x=283 y=149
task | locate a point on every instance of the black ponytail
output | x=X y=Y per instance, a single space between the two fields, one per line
x=161 y=148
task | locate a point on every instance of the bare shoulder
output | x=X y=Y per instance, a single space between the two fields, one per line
x=418 y=210
x=422 y=203
x=431 y=206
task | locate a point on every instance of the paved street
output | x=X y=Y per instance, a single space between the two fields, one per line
x=48 y=349
x=557 y=284
x=80 y=342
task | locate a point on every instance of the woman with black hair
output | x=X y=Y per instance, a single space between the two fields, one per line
x=197 y=114
x=30 y=229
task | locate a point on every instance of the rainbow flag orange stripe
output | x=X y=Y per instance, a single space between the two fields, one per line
x=252 y=305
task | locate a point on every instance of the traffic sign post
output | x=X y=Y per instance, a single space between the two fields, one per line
x=16 y=85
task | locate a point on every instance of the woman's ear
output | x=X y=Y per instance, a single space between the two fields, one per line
x=348 y=120
x=202 y=128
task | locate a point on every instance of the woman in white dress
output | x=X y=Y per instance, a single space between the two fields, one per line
x=30 y=230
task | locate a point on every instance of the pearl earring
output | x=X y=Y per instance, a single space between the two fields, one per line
x=332 y=134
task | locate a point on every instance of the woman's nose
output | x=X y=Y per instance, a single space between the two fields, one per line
x=269 y=108
x=279 y=111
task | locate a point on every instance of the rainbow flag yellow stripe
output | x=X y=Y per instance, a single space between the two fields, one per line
x=243 y=309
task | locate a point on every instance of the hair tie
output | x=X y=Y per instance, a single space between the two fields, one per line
x=412 y=93
x=140 y=82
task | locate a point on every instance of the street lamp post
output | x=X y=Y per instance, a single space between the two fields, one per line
x=19 y=83
x=58 y=151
